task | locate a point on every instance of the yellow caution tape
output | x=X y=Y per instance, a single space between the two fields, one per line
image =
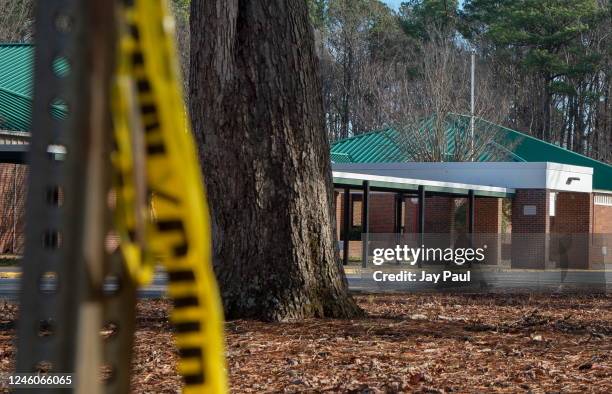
x=174 y=225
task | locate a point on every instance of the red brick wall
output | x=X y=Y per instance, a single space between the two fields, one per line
x=574 y=213
x=602 y=236
x=602 y=219
x=411 y=215
x=570 y=229
x=382 y=212
x=530 y=248
x=488 y=215
x=439 y=215
x=488 y=221
x=538 y=223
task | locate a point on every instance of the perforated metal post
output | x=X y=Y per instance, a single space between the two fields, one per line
x=345 y=225
x=365 y=214
x=421 y=197
x=399 y=201
x=54 y=220
x=471 y=211
x=471 y=218
x=64 y=303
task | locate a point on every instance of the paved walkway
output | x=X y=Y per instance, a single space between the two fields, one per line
x=362 y=281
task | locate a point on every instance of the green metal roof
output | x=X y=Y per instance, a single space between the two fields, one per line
x=341 y=158
x=14 y=111
x=382 y=147
x=372 y=147
x=16 y=64
x=15 y=86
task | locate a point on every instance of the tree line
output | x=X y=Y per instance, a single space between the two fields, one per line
x=542 y=66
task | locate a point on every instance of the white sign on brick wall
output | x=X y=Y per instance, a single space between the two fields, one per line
x=529 y=210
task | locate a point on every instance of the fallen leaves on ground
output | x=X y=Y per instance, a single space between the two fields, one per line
x=425 y=343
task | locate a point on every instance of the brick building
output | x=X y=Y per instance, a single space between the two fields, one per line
x=539 y=214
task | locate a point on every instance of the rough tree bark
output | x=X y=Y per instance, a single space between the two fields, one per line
x=257 y=111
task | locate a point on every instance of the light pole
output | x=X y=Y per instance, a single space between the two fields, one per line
x=472 y=105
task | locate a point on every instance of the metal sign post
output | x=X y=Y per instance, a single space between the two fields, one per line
x=63 y=303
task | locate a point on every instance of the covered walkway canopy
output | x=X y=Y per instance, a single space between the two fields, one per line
x=401 y=186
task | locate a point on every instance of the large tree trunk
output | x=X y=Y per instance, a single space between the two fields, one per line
x=257 y=110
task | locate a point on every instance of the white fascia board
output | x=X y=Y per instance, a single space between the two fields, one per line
x=569 y=168
x=473 y=166
x=569 y=178
x=424 y=182
x=515 y=175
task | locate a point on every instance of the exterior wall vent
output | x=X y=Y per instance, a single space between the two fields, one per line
x=603 y=199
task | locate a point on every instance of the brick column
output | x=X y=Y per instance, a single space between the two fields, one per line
x=571 y=227
x=574 y=213
x=487 y=227
x=530 y=228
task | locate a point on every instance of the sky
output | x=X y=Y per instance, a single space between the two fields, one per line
x=396 y=3
x=393 y=3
